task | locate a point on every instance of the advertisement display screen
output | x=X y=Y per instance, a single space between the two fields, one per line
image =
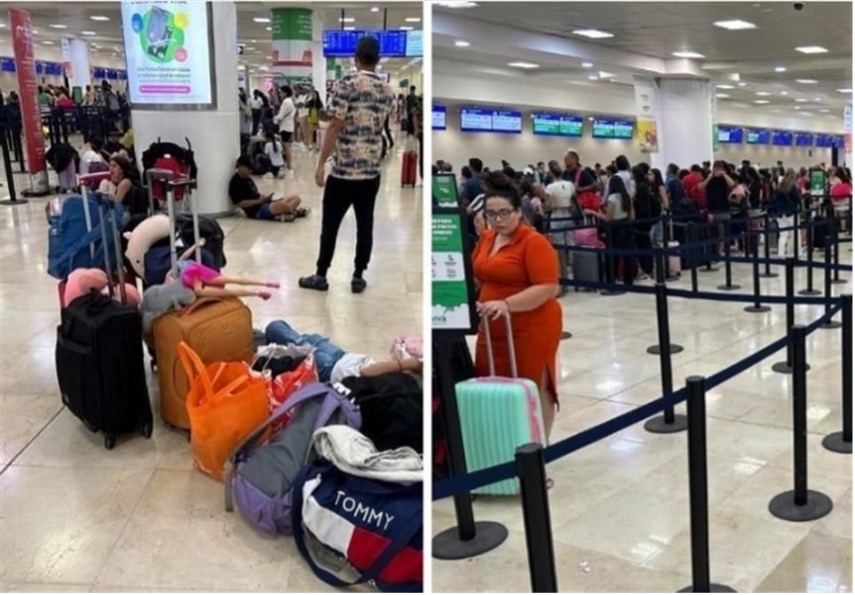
x=556 y=124
x=730 y=134
x=393 y=44
x=840 y=142
x=608 y=128
x=782 y=138
x=168 y=50
x=824 y=141
x=804 y=139
x=438 y=114
x=758 y=136
x=476 y=119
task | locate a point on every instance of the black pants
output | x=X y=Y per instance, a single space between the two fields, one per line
x=339 y=195
x=256 y=120
x=643 y=242
x=388 y=133
x=622 y=239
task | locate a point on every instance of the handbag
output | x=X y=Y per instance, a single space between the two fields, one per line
x=353 y=530
x=225 y=404
x=591 y=199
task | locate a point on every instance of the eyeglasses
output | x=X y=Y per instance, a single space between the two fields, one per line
x=500 y=215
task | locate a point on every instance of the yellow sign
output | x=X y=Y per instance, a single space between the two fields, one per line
x=646 y=136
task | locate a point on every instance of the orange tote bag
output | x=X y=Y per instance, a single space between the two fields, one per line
x=225 y=404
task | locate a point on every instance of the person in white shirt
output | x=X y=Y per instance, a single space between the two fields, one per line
x=93 y=154
x=273 y=151
x=561 y=205
x=303 y=117
x=285 y=118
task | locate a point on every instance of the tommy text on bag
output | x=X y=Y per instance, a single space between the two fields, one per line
x=358 y=510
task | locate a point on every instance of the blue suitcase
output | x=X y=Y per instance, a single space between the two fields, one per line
x=497 y=415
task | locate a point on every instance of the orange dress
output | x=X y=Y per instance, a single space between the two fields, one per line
x=527 y=260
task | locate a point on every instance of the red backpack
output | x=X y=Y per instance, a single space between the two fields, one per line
x=178 y=169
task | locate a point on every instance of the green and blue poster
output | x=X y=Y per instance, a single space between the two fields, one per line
x=451 y=300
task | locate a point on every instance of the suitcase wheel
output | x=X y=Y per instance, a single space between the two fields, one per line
x=147 y=429
x=109 y=442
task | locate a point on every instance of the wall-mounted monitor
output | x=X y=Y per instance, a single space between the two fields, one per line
x=804 y=139
x=824 y=141
x=438 y=117
x=758 y=136
x=477 y=119
x=549 y=124
x=782 y=138
x=730 y=135
x=610 y=128
x=840 y=141
x=393 y=44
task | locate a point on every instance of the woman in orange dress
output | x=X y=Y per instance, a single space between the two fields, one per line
x=516 y=272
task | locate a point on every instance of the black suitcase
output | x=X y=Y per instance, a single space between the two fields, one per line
x=821 y=227
x=100 y=362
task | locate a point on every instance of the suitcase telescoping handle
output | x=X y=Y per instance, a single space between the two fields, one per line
x=511 y=351
x=83 y=181
x=105 y=204
x=171 y=185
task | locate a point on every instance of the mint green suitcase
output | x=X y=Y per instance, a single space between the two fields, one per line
x=497 y=415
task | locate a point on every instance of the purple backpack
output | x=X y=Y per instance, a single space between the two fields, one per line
x=261 y=474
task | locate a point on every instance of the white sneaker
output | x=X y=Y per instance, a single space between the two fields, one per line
x=290 y=173
x=268 y=175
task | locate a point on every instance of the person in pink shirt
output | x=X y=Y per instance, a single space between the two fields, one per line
x=841 y=186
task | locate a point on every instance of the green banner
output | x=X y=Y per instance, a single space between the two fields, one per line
x=817 y=182
x=291 y=24
x=449 y=287
x=445 y=190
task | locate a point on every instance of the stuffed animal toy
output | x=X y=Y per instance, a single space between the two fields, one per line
x=406 y=347
x=162 y=299
x=82 y=281
x=141 y=239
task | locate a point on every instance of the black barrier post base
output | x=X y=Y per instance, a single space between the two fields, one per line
x=768 y=275
x=714 y=588
x=837 y=442
x=809 y=292
x=757 y=309
x=728 y=287
x=488 y=536
x=566 y=335
x=673 y=348
x=14 y=203
x=34 y=194
x=709 y=269
x=785 y=368
x=831 y=324
x=661 y=425
x=841 y=280
x=784 y=507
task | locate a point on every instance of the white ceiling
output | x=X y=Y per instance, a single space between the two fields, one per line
x=645 y=36
x=76 y=16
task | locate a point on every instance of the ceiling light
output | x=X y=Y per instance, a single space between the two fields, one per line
x=742 y=84
x=593 y=77
x=735 y=25
x=375 y=9
x=784 y=93
x=806 y=81
x=461 y=44
x=801 y=100
x=590 y=118
x=525 y=65
x=269 y=28
x=457 y=4
x=34 y=32
x=818 y=99
x=405 y=28
x=763 y=93
x=346 y=20
x=761 y=101
x=825 y=111
x=722 y=95
x=349 y=28
x=593 y=33
x=688 y=55
x=58 y=26
x=99 y=18
x=587 y=64
x=261 y=19
x=413 y=19
x=2 y=25
x=780 y=69
x=725 y=87
x=605 y=75
x=46 y=42
x=844 y=90
x=88 y=33
x=812 y=49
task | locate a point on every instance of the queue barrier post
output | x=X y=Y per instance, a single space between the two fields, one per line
x=728 y=272
x=757 y=307
x=842 y=441
x=709 y=268
x=786 y=367
x=811 y=227
x=13 y=199
x=661 y=262
x=611 y=260
x=667 y=225
x=800 y=504
x=836 y=253
x=531 y=472
x=698 y=496
x=767 y=249
x=797 y=226
x=828 y=324
x=669 y=422
x=691 y=233
x=469 y=538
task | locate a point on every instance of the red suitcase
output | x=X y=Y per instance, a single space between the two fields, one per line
x=409 y=168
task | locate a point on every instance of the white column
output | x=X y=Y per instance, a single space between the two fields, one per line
x=319 y=63
x=78 y=57
x=214 y=134
x=685 y=123
x=847 y=130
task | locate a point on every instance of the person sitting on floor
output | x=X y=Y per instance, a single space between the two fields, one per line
x=244 y=194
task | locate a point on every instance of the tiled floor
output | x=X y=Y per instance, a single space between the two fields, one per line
x=620 y=507
x=75 y=517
